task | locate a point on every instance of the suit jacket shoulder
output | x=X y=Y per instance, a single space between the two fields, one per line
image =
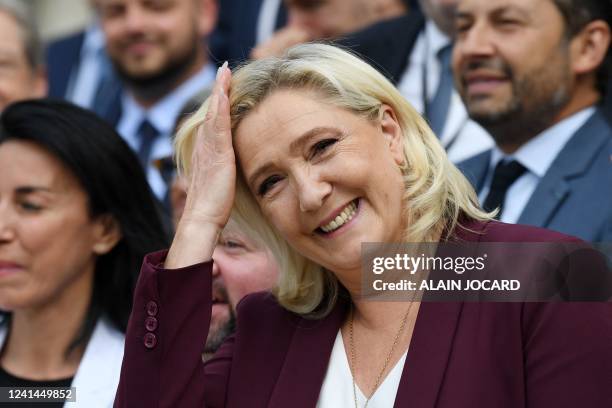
x=63 y=56
x=575 y=194
x=387 y=45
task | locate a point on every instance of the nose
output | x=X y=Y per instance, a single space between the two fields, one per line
x=312 y=190
x=134 y=18
x=7 y=229
x=216 y=270
x=475 y=42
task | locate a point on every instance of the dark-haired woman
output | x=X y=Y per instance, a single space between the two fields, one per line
x=76 y=218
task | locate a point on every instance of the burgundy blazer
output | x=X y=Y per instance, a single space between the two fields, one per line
x=462 y=355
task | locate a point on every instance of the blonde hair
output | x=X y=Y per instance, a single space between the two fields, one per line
x=437 y=193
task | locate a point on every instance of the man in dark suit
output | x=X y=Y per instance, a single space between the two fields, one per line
x=531 y=74
x=158 y=51
x=414 y=52
x=79 y=69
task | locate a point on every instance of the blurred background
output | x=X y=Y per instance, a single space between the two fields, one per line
x=57 y=18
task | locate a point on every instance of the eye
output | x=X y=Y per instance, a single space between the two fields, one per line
x=29 y=207
x=508 y=22
x=321 y=146
x=462 y=25
x=112 y=10
x=268 y=184
x=233 y=244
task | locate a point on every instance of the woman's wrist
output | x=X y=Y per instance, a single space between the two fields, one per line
x=192 y=244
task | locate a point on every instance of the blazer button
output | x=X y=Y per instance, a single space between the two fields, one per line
x=150 y=340
x=152 y=308
x=150 y=323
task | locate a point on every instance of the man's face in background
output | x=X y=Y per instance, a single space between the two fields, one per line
x=148 y=39
x=241 y=266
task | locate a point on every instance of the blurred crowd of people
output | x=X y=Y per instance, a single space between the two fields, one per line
x=520 y=99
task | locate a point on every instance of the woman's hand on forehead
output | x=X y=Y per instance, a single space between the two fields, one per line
x=212 y=186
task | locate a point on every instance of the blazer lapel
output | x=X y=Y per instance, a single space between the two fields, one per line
x=475 y=169
x=97 y=377
x=432 y=340
x=428 y=355
x=573 y=161
x=305 y=365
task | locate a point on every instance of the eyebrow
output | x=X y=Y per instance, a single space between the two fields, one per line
x=463 y=14
x=32 y=189
x=511 y=9
x=296 y=145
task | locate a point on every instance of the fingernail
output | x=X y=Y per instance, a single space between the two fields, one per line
x=219 y=70
x=224 y=66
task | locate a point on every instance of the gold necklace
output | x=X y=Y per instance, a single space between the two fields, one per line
x=387 y=360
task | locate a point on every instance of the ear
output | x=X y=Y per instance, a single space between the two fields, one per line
x=208 y=12
x=589 y=47
x=107 y=234
x=392 y=131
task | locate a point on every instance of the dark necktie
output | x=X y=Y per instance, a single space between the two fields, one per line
x=146 y=136
x=504 y=176
x=437 y=108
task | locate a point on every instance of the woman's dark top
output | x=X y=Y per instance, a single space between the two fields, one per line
x=9 y=380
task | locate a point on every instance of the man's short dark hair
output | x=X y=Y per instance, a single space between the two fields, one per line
x=577 y=14
x=32 y=44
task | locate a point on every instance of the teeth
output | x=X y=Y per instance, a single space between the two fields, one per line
x=346 y=215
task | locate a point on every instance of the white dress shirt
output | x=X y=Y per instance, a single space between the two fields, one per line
x=86 y=76
x=462 y=137
x=162 y=116
x=337 y=388
x=536 y=156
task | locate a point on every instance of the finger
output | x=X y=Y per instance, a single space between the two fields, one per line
x=225 y=77
x=222 y=119
x=213 y=106
x=213 y=100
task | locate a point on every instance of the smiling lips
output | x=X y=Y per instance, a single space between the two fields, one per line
x=342 y=218
x=482 y=82
x=8 y=268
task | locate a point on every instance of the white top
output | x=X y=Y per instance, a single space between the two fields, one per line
x=462 y=137
x=536 y=155
x=97 y=377
x=162 y=116
x=337 y=389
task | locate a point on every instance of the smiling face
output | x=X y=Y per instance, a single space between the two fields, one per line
x=324 y=177
x=512 y=61
x=48 y=241
x=147 y=39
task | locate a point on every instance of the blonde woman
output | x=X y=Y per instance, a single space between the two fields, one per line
x=318 y=153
